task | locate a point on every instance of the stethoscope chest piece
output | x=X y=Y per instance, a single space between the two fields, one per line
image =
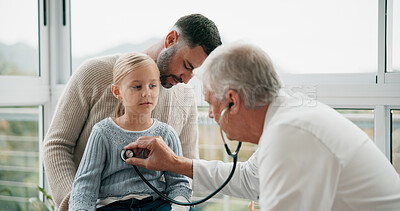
x=125 y=154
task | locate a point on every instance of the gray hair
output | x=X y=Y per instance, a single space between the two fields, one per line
x=244 y=68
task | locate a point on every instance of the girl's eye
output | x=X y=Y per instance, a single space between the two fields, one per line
x=137 y=87
x=153 y=85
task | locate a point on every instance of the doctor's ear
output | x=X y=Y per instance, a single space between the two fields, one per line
x=115 y=91
x=234 y=101
x=171 y=39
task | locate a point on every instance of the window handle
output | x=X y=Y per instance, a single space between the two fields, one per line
x=64 y=14
x=44 y=12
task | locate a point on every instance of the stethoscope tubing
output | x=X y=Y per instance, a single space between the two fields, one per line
x=233 y=155
x=228 y=151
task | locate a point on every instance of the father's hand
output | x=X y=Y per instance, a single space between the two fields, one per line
x=159 y=156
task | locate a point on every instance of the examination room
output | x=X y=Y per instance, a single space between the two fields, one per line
x=224 y=105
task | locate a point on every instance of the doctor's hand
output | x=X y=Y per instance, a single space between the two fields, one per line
x=159 y=156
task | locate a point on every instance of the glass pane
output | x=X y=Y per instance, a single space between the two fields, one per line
x=19 y=38
x=19 y=160
x=396 y=139
x=396 y=37
x=363 y=118
x=309 y=36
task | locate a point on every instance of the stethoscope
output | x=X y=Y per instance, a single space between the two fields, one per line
x=125 y=154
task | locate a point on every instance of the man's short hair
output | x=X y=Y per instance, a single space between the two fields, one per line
x=196 y=29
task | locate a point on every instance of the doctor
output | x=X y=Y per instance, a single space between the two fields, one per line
x=309 y=157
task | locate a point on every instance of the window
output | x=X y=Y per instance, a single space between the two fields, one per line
x=340 y=40
x=19 y=38
x=24 y=88
x=19 y=161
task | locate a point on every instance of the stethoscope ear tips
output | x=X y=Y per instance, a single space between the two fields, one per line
x=125 y=154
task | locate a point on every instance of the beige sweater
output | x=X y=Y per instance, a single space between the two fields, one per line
x=86 y=100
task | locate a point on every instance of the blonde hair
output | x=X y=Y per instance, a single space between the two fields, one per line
x=125 y=65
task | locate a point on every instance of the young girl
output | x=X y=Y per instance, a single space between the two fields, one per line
x=103 y=180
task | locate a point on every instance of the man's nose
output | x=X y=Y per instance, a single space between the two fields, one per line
x=185 y=77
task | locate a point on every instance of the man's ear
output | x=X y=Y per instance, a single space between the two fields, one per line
x=171 y=39
x=115 y=91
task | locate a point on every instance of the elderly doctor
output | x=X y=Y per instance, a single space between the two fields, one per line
x=309 y=157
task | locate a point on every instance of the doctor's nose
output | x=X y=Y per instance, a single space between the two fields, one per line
x=210 y=114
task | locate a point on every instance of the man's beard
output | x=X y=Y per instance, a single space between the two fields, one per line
x=163 y=62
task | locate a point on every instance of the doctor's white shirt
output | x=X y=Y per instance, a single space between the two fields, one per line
x=309 y=158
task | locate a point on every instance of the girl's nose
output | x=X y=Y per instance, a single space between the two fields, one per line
x=146 y=93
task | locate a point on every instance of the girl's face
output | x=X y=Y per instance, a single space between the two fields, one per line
x=139 y=90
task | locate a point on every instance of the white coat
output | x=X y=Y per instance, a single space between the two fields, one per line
x=309 y=158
